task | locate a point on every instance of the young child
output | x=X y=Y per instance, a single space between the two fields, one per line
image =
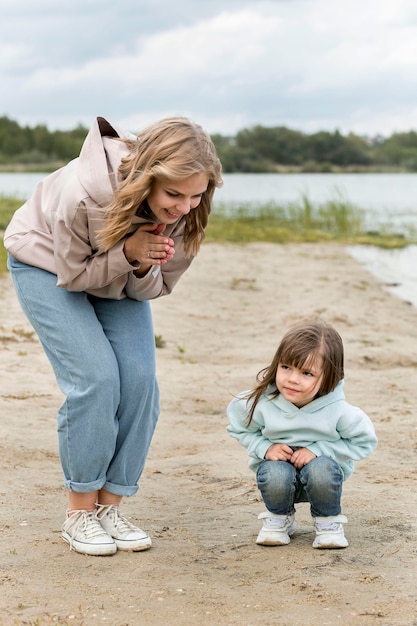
x=302 y=435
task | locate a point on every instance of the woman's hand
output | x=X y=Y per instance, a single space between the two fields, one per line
x=148 y=247
x=279 y=452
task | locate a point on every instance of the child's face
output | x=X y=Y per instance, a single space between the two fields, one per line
x=300 y=386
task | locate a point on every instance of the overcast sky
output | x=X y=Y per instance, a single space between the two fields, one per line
x=309 y=65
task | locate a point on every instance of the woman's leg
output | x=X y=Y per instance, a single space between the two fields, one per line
x=129 y=329
x=86 y=370
x=96 y=430
x=82 y=501
x=322 y=480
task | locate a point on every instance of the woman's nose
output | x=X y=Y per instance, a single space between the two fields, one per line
x=183 y=206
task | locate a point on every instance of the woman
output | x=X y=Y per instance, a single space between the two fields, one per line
x=99 y=238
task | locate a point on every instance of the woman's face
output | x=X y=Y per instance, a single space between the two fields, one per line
x=171 y=200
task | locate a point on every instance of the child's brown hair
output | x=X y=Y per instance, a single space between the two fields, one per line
x=299 y=347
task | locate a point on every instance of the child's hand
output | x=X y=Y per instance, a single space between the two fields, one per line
x=279 y=452
x=301 y=457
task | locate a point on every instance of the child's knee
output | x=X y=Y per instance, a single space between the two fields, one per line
x=323 y=470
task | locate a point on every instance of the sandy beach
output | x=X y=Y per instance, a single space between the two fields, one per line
x=198 y=499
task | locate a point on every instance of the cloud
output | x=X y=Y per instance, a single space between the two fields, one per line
x=306 y=64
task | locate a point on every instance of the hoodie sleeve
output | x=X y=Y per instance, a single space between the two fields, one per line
x=249 y=436
x=160 y=280
x=107 y=274
x=357 y=438
x=78 y=266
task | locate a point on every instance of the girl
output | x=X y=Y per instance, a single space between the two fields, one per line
x=100 y=237
x=302 y=435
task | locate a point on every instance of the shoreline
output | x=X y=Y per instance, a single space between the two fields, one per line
x=395 y=269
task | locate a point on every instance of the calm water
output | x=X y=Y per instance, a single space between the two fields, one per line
x=18 y=185
x=397 y=269
x=385 y=199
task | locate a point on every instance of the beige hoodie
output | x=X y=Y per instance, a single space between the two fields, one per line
x=56 y=229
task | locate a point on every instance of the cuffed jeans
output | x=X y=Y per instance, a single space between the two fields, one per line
x=103 y=355
x=319 y=483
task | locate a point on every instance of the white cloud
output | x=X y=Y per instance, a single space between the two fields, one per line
x=307 y=64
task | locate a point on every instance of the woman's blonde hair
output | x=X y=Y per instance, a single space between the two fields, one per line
x=172 y=149
x=300 y=346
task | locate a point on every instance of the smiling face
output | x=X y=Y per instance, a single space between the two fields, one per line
x=170 y=200
x=300 y=385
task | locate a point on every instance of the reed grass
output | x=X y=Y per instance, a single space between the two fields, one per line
x=335 y=220
x=7 y=207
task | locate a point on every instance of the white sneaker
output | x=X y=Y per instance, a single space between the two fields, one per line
x=83 y=532
x=126 y=535
x=276 y=529
x=330 y=533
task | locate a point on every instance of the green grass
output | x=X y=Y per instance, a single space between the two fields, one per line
x=302 y=221
x=7 y=207
x=336 y=220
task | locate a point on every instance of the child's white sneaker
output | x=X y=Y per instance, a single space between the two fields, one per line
x=276 y=529
x=329 y=532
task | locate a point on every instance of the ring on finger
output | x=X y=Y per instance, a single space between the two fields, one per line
x=149 y=254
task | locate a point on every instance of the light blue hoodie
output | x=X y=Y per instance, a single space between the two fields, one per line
x=328 y=426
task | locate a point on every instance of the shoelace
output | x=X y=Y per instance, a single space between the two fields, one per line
x=121 y=523
x=86 y=522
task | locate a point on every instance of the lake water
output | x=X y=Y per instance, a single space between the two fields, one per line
x=386 y=199
x=397 y=269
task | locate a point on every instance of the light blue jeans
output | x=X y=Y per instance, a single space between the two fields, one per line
x=319 y=482
x=103 y=355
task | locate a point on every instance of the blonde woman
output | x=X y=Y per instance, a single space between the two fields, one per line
x=99 y=238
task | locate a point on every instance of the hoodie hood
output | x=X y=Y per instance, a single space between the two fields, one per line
x=318 y=404
x=99 y=160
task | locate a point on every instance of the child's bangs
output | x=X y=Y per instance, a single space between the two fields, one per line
x=301 y=358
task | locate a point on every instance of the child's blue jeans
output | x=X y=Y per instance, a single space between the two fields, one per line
x=319 y=483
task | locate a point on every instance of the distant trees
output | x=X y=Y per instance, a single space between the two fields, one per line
x=38 y=145
x=267 y=149
x=399 y=150
x=255 y=149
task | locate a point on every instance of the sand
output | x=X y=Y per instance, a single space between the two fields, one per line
x=198 y=499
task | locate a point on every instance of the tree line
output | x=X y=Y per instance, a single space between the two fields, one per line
x=256 y=149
